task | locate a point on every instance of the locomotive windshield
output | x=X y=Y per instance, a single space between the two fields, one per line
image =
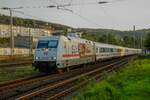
x=47 y=44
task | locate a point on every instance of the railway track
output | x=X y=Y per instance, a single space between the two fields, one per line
x=10 y=58
x=8 y=83
x=11 y=64
x=14 y=61
x=61 y=93
x=55 y=85
x=62 y=88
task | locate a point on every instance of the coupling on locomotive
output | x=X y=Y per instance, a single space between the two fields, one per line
x=61 y=52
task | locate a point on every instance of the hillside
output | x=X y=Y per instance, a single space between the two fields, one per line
x=137 y=33
x=17 y=21
x=43 y=24
x=123 y=38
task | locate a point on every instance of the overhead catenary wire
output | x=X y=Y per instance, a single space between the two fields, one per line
x=27 y=14
x=69 y=4
x=107 y=14
x=82 y=17
x=87 y=19
x=58 y=5
x=64 y=7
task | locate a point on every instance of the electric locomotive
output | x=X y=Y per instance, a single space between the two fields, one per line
x=61 y=52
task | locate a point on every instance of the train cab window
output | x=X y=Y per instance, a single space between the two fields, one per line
x=53 y=44
x=42 y=44
x=47 y=44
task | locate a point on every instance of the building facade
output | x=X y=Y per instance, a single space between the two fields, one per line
x=24 y=31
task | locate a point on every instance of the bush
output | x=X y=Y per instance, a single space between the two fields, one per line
x=130 y=83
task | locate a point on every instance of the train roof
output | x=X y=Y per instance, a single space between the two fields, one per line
x=77 y=39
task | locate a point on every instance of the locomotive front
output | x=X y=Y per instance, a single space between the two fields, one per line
x=46 y=54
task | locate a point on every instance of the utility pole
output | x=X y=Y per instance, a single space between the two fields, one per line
x=11 y=28
x=134 y=41
x=11 y=33
x=141 y=42
x=30 y=42
x=1 y=31
x=107 y=39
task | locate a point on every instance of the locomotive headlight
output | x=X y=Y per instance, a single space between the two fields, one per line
x=54 y=58
x=36 y=58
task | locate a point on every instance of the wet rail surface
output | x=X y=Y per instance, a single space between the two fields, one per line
x=34 y=87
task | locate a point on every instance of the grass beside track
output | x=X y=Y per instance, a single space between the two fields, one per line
x=16 y=73
x=130 y=83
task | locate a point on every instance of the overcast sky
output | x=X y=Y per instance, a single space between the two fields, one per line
x=117 y=14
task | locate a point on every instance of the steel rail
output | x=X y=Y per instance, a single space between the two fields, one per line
x=9 y=90
x=14 y=57
x=84 y=82
x=8 y=83
x=12 y=64
x=18 y=88
x=64 y=82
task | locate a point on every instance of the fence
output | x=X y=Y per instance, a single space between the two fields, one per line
x=17 y=51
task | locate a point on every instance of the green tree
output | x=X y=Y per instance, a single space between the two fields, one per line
x=128 y=41
x=147 y=41
x=110 y=39
x=92 y=37
x=103 y=38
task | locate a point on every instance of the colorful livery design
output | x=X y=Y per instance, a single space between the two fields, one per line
x=61 y=52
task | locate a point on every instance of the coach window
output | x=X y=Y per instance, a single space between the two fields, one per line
x=111 y=49
x=99 y=50
x=106 y=49
x=103 y=49
x=96 y=50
